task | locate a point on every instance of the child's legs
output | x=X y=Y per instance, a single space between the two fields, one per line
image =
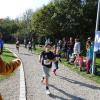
x=46 y=75
x=17 y=48
x=65 y=53
x=56 y=64
x=46 y=81
x=68 y=55
x=81 y=64
x=88 y=63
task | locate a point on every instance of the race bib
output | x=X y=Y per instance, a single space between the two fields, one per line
x=47 y=62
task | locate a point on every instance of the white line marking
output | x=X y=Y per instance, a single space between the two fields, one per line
x=22 y=84
x=22 y=81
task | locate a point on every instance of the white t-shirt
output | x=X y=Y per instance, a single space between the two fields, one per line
x=77 y=48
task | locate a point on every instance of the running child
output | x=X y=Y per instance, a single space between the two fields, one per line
x=46 y=59
x=57 y=58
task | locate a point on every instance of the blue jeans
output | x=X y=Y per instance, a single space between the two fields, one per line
x=69 y=53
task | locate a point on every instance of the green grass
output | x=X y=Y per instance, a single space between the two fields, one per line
x=38 y=50
x=7 y=56
x=95 y=78
x=98 y=61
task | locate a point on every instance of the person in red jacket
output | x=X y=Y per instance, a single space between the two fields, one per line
x=79 y=61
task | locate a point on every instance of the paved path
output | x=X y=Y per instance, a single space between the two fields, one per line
x=66 y=86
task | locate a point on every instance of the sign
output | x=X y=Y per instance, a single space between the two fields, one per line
x=97 y=42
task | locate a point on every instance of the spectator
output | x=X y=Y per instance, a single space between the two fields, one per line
x=1 y=44
x=79 y=61
x=59 y=45
x=64 y=46
x=76 y=47
x=89 y=56
x=90 y=39
x=69 y=48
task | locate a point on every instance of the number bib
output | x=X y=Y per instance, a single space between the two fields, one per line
x=47 y=62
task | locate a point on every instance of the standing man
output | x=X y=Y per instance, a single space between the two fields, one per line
x=70 y=46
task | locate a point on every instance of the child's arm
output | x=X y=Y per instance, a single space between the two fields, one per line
x=40 y=57
x=76 y=60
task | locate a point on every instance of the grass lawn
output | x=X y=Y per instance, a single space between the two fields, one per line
x=7 y=56
x=95 y=78
x=38 y=50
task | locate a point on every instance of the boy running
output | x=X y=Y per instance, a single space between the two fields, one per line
x=46 y=59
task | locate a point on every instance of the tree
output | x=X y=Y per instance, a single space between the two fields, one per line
x=65 y=18
x=56 y=18
x=27 y=16
x=8 y=27
x=24 y=24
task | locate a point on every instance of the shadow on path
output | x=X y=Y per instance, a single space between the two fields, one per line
x=66 y=94
x=80 y=83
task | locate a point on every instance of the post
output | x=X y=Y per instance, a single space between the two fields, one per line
x=96 y=29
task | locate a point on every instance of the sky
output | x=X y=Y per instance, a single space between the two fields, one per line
x=15 y=8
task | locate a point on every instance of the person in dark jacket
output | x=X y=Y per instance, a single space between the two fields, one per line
x=46 y=59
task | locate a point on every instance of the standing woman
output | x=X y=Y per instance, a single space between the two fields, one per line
x=89 y=56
